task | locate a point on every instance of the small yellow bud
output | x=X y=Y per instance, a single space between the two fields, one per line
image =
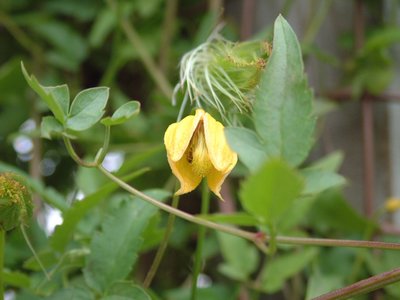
x=392 y=204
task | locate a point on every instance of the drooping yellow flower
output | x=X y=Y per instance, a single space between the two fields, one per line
x=197 y=148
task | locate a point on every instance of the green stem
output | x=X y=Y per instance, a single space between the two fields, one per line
x=257 y=238
x=28 y=242
x=103 y=150
x=2 y=244
x=364 y=286
x=139 y=46
x=205 y=204
x=163 y=246
x=75 y=156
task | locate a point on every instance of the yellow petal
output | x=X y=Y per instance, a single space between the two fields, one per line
x=178 y=135
x=215 y=179
x=221 y=155
x=187 y=178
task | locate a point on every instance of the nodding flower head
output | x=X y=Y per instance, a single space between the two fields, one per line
x=197 y=148
x=222 y=75
x=15 y=201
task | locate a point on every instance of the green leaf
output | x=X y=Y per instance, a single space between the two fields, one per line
x=115 y=250
x=69 y=293
x=87 y=108
x=281 y=268
x=248 y=147
x=233 y=248
x=50 y=127
x=123 y=114
x=271 y=191
x=56 y=97
x=71 y=218
x=283 y=114
x=16 y=279
x=318 y=181
x=126 y=291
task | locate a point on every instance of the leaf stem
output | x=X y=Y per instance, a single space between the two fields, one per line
x=163 y=246
x=2 y=244
x=103 y=150
x=75 y=156
x=364 y=286
x=205 y=204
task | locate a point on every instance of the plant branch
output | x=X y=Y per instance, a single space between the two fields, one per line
x=255 y=237
x=75 y=156
x=364 y=286
x=139 y=46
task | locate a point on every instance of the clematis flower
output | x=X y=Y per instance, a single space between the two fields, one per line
x=197 y=148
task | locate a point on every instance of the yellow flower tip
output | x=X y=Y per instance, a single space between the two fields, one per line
x=392 y=204
x=196 y=149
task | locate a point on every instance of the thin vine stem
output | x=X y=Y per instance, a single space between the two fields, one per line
x=205 y=204
x=2 y=244
x=257 y=238
x=364 y=286
x=28 y=242
x=163 y=246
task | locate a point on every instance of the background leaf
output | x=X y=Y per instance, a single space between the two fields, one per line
x=232 y=249
x=281 y=268
x=115 y=249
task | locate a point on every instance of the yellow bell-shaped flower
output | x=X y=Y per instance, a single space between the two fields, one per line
x=197 y=148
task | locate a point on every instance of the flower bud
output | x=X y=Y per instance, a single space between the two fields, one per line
x=15 y=201
x=392 y=204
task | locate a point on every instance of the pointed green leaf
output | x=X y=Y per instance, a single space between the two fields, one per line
x=248 y=147
x=56 y=97
x=123 y=114
x=115 y=250
x=282 y=111
x=271 y=191
x=50 y=127
x=87 y=108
